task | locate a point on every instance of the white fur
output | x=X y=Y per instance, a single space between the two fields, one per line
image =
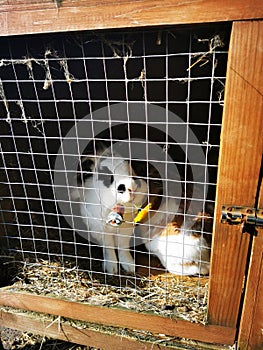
x=97 y=201
x=181 y=253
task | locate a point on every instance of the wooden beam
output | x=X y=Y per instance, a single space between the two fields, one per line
x=251 y=330
x=70 y=333
x=117 y=317
x=239 y=168
x=251 y=327
x=32 y=16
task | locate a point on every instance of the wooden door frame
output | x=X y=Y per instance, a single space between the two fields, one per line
x=46 y=16
x=251 y=327
x=238 y=166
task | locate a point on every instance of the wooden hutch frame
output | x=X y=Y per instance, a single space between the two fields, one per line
x=235 y=309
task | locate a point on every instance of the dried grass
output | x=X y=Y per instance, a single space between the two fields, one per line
x=132 y=334
x=167 y=295
x=16 y=340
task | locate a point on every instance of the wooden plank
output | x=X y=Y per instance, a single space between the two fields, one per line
x=32 y=16
x=251 y=327
x=74 y=334
x=239 y=167
x=117 y=317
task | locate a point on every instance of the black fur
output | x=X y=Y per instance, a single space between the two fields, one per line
x=106 y=176
x=85 y=170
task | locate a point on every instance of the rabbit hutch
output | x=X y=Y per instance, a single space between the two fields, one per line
x=131 y=172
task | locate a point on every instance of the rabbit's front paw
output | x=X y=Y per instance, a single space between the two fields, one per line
x=110 y=267
x=127 y=261
x=110 y=263
x=129 y=267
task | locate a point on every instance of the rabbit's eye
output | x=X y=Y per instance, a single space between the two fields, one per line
x=106 y=176
x=137 y=182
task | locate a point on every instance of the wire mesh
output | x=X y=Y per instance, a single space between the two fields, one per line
x=109 y=154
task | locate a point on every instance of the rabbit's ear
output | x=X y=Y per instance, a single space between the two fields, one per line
x=100 y=147
x=95 y=148
x=87 y=164
x=85 y=169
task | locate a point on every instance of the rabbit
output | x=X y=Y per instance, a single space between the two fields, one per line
x=110 y=194
x=184 y=251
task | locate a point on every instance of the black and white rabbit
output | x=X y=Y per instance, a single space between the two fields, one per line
x=110 y=195
x=104 y=183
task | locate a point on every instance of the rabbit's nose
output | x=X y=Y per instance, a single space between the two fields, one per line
x=121 y=188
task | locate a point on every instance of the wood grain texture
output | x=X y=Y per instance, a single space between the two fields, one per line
x=239 y=167
x=74 y=334
x=251 y=328
x=117 y=317
x=32 y=16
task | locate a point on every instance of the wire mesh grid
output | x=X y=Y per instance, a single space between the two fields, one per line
x=109 y=153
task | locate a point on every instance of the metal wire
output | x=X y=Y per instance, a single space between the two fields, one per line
x=54 y=84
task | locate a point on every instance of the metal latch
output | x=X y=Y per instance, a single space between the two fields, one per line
x=244 y=216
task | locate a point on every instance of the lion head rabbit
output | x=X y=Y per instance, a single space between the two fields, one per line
x=184 y=250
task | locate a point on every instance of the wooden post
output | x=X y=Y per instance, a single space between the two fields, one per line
x=251 y=328
x=239 y=167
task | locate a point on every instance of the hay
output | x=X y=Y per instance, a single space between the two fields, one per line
x=167 y=295
x=132 y=334
x=17 y=340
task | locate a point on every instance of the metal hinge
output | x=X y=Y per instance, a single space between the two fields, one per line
x=245 y=216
